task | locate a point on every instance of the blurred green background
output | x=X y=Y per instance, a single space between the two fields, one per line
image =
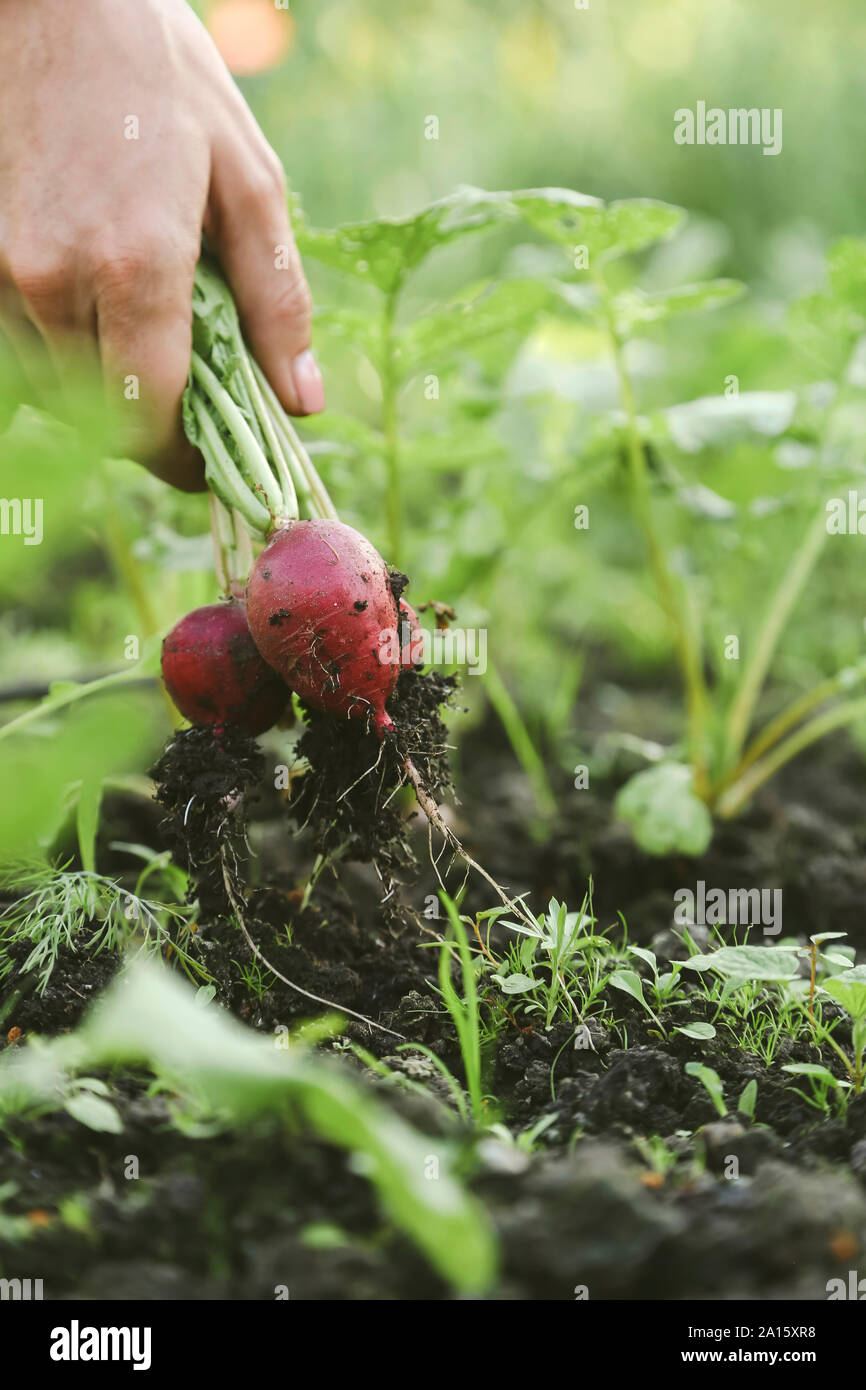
x=525 y=94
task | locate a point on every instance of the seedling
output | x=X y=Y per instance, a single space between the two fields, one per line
x=849 y=990
x=711 y=1082
x=823 y=1087
x=561 y=937
x=61 y=908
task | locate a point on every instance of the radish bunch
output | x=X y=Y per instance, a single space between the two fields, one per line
x=320 y=618
x=322 y=615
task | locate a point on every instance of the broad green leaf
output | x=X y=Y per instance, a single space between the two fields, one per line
x=721 y=421
x=606 y=230
x=635 y=308
x=701 y=1031
x=94 y=740
x=749 y=963
x=665 y=815
x=558 y=213
x=94 y=1112
x=648 y=957
x=629 y=983
x=383 y=252
x=849 y=990
x=515 y=984
x=508 y=307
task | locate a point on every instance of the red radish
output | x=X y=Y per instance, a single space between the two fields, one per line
x=215 y=675
x=322 y=613
x=411 y=637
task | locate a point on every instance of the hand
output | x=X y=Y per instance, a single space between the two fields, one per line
x=122 y=138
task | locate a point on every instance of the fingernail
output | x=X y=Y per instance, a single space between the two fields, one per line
x=308 y=383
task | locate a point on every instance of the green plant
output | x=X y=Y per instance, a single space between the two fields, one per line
x=656 y=1153
x=465 y=1011
x=553 y=943
x=711 y=1082
x=668 y=806
x=58 y=909
x=849 y=990
x=824 y=1087
x=384 y=255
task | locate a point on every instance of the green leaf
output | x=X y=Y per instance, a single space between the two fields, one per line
x=846 y=269
x=558 y=213
x=353 y=326
x=646 y=956
x=383 y=252
x=344 y=434
x=515 y=984
x=432 y=341
x=849 y=990
x=748 y=1099
x=700 y=1031
x=825 y=329
x=94 y=1112
x=749 y=963
x=635 y=308
x=87 y=821
x=629 y=982
x=606 y=230
x=453 y=450
x=712 y=1083
x=150 y=1016
x=665 y=815
x=814 y=1069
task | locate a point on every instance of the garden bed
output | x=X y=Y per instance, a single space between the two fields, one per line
x=605 y=1166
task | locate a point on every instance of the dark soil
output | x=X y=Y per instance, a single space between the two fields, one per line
x=772 y=1208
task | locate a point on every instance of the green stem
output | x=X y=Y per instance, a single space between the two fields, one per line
x=68 y=697
x=793 y=714
x=739 y=793
x=520 y=740
x=223 y=475
x=686 y=636
x=778 y=613
x=222 y=535
x=252 y=457
x=304 y=474
x=271 y=434
x=390 y=431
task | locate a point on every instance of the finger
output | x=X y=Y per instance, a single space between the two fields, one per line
x=248 y=227
x=143 y=299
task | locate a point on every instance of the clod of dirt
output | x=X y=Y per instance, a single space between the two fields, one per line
x=204 y=780
x=346 y=799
